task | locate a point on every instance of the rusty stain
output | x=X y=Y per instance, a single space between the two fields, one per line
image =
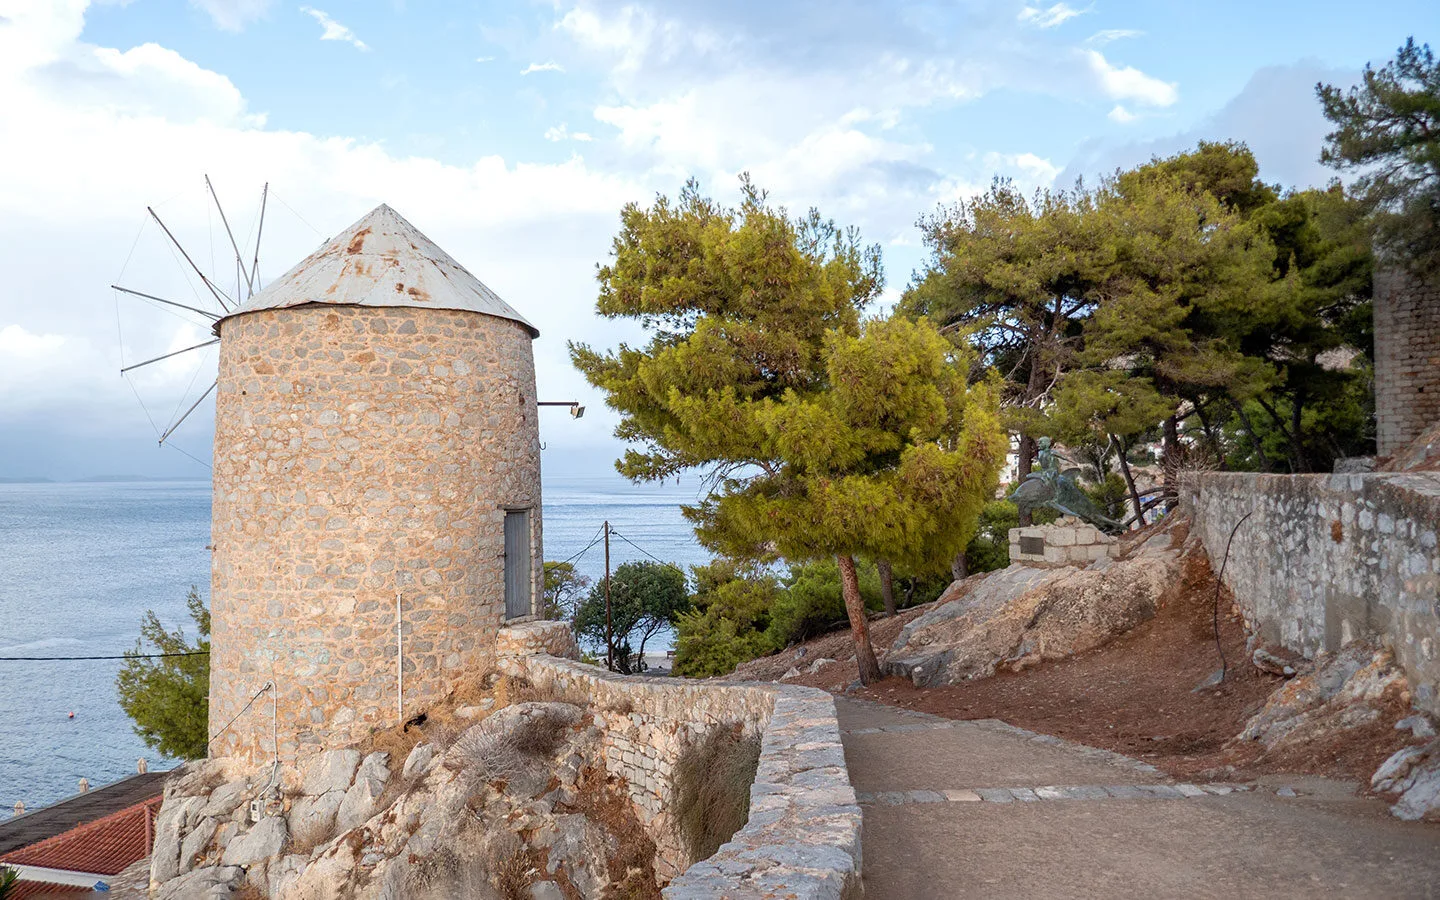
x=399 y=287
x=357 y=243
x=416 y=293
x=1337 y=531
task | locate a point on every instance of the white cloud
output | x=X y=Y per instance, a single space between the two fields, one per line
x=484 y=59
x=1051 y=16
x=333 y=30
x=542 y=67
x=1275 y=114
x=562 y=133
x=1128 y=83
x=1121 y=114
x=90 y=135
x=1029 y=170
x=1105 y=36
x=233 y=15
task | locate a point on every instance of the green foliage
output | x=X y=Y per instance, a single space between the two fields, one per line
x=990 y=548
x=729 y=621
x=827 y=436
x=1388 y=128
x=644 y=598
x=742 y=611
x=9 y=877
x=811 y=602
x=1108 y=495
x=168 y=697
x=563 y=588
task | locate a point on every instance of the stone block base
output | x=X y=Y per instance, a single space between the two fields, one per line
x=531 y=638
x=1066 y=542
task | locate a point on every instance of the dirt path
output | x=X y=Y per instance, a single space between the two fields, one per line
x=957 y=809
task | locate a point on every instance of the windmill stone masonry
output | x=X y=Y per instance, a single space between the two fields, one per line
x=376 y=492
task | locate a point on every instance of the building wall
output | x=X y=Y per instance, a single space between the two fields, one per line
x=360 y=454
x=1407 y=358
x=1327 y=559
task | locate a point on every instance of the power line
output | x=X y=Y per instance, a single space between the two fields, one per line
x=121 y=656
x=648 y=553
x=598 y=538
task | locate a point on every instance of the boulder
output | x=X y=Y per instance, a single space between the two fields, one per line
x=261 y=842
x=1346 y=689
x=197 y=842
x=417 y=761
x=360 y=800
x=312 y=819
x=226 y=798
x=210 y=882
x=330 y=771
x=1021 y=615
x=579 y=848
x=1414 y=774
x=169 y=831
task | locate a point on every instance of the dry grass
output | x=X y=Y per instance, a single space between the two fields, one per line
x=632 y=865
x=712 y=788
x=490 y=756
x=511 y=875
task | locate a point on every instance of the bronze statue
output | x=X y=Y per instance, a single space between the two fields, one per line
x=1048 y=486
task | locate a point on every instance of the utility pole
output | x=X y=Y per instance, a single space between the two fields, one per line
x=609 y=641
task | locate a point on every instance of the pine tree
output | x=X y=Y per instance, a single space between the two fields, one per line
x=168 y=697
x=823 y=436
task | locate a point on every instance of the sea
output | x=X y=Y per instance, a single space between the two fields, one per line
x=80 y=563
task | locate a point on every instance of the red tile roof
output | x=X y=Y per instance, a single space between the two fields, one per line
x=105 y=846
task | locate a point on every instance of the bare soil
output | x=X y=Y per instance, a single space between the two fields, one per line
x=1134 y=695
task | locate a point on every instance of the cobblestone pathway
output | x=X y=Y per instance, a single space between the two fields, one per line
x=971 y=809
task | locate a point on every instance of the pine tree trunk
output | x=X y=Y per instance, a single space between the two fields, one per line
x=859 y=626
x=1170 y=461
x=1130 y=481
x=887 y=585
x=1025 y=462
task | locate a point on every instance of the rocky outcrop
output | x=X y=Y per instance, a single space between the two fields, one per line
x=1021 y=615
x=337 y=831
x=1345 y=690
x=1414 y=774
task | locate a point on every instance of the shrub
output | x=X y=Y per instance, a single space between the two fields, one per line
x=712 y=788
x=167 y=697
x=812 y=604
x=727 y=625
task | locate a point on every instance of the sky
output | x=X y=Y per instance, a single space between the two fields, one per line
x=513 y=134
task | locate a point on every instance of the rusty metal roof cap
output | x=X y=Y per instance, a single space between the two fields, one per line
x=381 y=260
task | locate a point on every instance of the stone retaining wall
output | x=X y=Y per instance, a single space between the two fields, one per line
x=1326 y=559
x=803 y=836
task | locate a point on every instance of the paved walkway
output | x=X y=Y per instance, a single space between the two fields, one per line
x=974 y=809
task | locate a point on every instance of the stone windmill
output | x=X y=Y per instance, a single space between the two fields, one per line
x=377 y=491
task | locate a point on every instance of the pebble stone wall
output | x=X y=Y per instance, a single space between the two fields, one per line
x=1407 y=358
x=1326 y=559
x=361 y=453
x=802 y=840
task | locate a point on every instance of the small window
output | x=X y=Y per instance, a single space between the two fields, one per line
x=517 y=563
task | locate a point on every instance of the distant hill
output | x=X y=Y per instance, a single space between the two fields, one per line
x=25 y=479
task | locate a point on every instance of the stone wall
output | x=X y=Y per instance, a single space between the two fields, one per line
x=361 y=454
x=1407 y=358
x=804 y=827
x=1326 y=559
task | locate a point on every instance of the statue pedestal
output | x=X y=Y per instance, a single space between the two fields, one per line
x=1066 y=542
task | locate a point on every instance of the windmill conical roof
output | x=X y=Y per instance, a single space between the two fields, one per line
x=382 y=260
